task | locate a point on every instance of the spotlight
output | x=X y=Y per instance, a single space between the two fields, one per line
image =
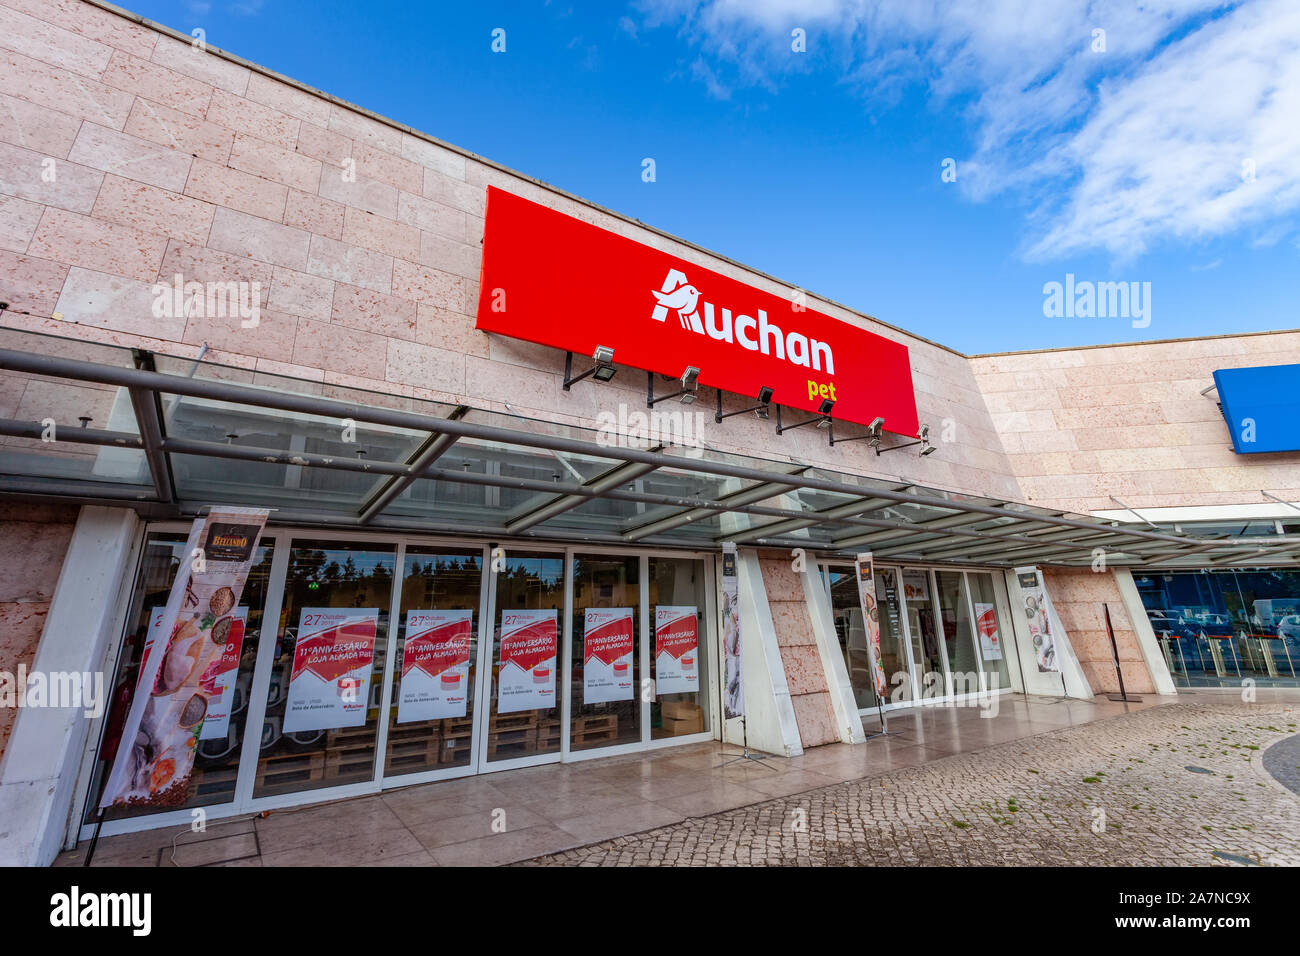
x=602 y=371
x=690 y=385
x=824 y=409
x=762 y=409
x=604 y=357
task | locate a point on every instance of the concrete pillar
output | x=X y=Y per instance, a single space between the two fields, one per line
x=39 y=771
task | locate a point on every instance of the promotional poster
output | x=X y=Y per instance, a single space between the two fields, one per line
x=733 y=698
x=332 y=663
x=871 y=622
x=435 y=665
x=156 y=757
x=677 y=649
x=607 y=642
x=1034 y=595
x=526 y=680
x=219 y=680
x=986 y=618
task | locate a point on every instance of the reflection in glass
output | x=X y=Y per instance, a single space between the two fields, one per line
x=958 y=634
x=431 y=714
x=677 y=603
x=216 y=762
x=315 y=734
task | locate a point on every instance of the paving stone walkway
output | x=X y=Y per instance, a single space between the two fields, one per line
x=1173 y=785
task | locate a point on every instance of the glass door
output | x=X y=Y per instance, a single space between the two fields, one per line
x=217 y=749
x=894 y=656
x=958 y=634
x=923 y=633
x=679 y=666
x=435 y=666
x=605 y=686
x=523 y=714
x=327 y=668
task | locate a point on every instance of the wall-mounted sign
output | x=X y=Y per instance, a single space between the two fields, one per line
x=558 y=281
x=1261 y=406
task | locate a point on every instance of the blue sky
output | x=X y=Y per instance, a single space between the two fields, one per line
x=1171 y=156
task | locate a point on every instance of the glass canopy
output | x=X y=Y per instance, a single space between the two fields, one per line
x=102 y=424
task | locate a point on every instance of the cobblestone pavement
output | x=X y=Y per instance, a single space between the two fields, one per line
x=1173 y=785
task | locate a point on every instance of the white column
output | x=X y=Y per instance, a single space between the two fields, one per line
x=39 y=772
x=1046 y=683
x=1148 y=643
x=843 y=702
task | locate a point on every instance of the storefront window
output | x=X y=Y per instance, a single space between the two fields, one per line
x=605 y=708
x=431 y=714
x=846 y=609
x=1217 y=627
x=524 y=718
x=679 y=665
x=893 y=641
x=924 y=632
x=993 y=655
x=322 y=702
x=958 y=634
x=216 y=762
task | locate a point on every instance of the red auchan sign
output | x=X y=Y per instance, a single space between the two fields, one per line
x=558 y=281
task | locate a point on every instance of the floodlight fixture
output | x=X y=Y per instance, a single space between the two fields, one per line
x=602 y=371
x=762 y=409
x=690 y=380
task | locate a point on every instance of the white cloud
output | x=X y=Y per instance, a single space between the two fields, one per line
x=1113 y=150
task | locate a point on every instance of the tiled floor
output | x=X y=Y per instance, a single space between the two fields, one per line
x=515 y=815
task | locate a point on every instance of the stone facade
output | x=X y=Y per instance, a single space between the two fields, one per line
x=1078 y=597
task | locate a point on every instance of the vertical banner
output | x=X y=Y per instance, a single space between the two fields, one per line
x=332 y=663
x=1034 y=593
x=526 y=679
x=154 y=762
x=986 y=620
x=219 y=680
x=677 y=650
x=435 y=665
x=606 y=654
x=871 y=622
x=733 y=699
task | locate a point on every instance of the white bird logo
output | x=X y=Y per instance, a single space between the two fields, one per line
x=683 y=299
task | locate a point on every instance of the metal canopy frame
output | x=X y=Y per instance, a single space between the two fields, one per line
x=956 y=529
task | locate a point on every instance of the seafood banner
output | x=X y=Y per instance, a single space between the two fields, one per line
x=1034 y=594
x=435 y=665
x=526 y=679
x=607 y=654
x=332 y=661
x=219 y=680
x=677 y=650
x=866 y=574
x=733 y=699
x=987 y=623
x=162 y=728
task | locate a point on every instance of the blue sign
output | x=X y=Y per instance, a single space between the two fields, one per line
x=1262 y=407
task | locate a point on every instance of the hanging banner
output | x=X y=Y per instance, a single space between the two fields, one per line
x=219 y=680
x=1034 y=594
x=733 y=699
x=526 y=680
x=435 y=665
x=157 y=618
x=606 y=654
x=162 y=727
x=871 y=623
x=332 y=662
x=986 y=620
x=677 y=650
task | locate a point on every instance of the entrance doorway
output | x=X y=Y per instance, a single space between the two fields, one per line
x=461 y=659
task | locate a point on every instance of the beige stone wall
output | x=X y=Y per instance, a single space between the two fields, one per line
x=170 y=160
x=804 y=674
x=35 y=540
x=1080 y=425
x=1078 y=597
